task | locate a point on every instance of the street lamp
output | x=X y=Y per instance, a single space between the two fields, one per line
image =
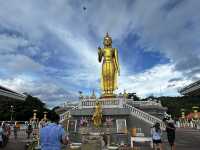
x=183 y=113
x=45 y=115
x=34 y=119
x=11 y=110
x=195 y=110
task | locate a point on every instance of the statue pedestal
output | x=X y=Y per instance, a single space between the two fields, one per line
x=107 y=96
x=92 y=142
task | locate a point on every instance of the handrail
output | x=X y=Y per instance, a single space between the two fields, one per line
x=109 y=103
x=143 y=103
x=67 y=113
x=144 y=116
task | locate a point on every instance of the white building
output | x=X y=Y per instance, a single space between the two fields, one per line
x=6 y=93
x=192 y=89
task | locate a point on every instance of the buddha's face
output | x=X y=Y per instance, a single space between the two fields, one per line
x=107 y=42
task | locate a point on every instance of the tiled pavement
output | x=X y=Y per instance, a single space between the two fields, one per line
x=186 y=139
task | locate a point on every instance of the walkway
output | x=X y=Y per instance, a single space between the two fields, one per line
x=186 y=139
x=17 y=144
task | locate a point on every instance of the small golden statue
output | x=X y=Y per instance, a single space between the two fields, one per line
x=97 y=116
x=110 y=67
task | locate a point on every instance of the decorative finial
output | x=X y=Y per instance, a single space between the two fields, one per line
x=107 y=35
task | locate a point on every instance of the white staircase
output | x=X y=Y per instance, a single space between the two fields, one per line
x=148 y=118
x=144 y=116
x=66 y=115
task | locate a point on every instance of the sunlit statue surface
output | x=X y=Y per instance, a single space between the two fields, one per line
x=97 y=116
x=110 y=67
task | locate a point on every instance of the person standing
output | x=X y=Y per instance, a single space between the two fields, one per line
x=29 y=130
x=4 y=135
x=52 y=136
x=1 y=136
x=170 y=129
x=8 y=130
x=15 y=131
x=156 y=136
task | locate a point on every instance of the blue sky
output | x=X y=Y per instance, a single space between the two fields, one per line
x=49 y=48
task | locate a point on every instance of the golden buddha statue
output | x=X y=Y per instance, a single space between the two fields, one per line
x=97 y=116
x=110 y=67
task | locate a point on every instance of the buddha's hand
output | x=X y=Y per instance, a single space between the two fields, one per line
x=99 y=49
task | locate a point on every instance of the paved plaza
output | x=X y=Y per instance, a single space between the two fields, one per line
x=17 y=144
x=186 y=139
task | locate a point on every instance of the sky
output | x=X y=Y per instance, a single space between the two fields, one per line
x=49 y=49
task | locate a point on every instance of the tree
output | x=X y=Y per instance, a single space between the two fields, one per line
x=23 y=110
x=175 y=104
x=133 y=96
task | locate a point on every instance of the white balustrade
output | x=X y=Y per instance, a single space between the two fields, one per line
x=143 y=103
x=66 y=114
x=105 y=103
x=114 y=103
x=144 y=116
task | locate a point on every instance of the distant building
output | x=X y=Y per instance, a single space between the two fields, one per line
x=65 y=107
x=8 y=94
x=191 y=90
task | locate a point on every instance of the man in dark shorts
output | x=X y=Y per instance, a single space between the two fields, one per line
x=170 y=129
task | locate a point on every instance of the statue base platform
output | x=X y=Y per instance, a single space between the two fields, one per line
x=107 y=96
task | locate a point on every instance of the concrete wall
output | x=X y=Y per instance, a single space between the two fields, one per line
x=134 y=122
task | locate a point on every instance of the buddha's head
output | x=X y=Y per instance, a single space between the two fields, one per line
x=107 y=41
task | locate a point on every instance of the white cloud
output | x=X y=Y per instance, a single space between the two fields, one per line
x=19 y=64
x=154 y=81
x=47 y=91
x=172 y=29
x=9 y=44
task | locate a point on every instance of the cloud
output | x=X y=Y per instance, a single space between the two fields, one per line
x=175 y=79
x=46 y=91
x=171 y=31
x=9 y=44
x=154 y=81
x=18 y=64
x=58 y=40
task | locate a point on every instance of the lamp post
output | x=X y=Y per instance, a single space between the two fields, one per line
x=183 y=117
x=11 y=110
x=183 y=113
x=34 y=120
x=195 y=110
x=34 y=114
x=35 y=123
x=44 y=120
x=195 y=116
x=45 y=116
